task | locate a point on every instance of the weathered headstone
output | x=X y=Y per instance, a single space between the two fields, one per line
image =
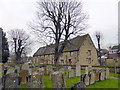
x=86 y=79
x=24 y=74
x=97 y=75
x=70 y=73
x=48 y=69
x=58 y=79
x=92 y=78
x=11 y=81
x=10 y=70
x=107 y=73
x=35 y=81
x=79 y=86
x=25 y=67
x=86 y=70
x=78 y=69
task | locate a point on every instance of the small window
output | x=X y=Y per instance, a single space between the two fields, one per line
x=89 y=60
x=62 y=61
x=71 y=53
x=70 y=61
x=89 y=52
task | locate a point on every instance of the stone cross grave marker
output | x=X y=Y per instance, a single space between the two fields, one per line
x=78 y=69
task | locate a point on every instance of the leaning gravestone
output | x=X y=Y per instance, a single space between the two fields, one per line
x=58 y=79
x=86 y=79
x=35 y=81
x=78 y=69
x=70 y=73
x=11 y=81
x=92 y=78
x=79 y=86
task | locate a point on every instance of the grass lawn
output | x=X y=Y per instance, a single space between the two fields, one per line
x=109 y=83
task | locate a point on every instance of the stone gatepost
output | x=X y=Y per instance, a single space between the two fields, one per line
x=78 y=69
x=58 y=80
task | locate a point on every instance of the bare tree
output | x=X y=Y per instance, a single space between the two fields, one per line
x=19 y=42
x=58 y=21
x=98 y=37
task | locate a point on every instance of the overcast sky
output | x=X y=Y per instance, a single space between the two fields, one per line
x=103 y=17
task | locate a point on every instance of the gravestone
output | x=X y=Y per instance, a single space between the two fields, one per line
x=1 y=68
x=10 y=81
x=97 y=75
x=92 y=78
x=86 y=79
x=70 y=73
x=78 y=69
x=10 y=70
x=79 y=86
x=48 y=69
x=107 y=73
x=30 y=71
x=58 y=79
x=24 y=74
x=35 y=81
x=25 y=67
x=86 y=70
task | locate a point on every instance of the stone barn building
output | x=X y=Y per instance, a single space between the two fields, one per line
x=80 y=48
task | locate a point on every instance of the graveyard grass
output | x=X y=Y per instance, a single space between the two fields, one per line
x=109 y=83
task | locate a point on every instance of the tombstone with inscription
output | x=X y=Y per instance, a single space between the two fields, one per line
x=35 y=81
x=58 y=79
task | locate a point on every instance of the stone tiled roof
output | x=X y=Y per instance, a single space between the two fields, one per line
x=74 y=44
